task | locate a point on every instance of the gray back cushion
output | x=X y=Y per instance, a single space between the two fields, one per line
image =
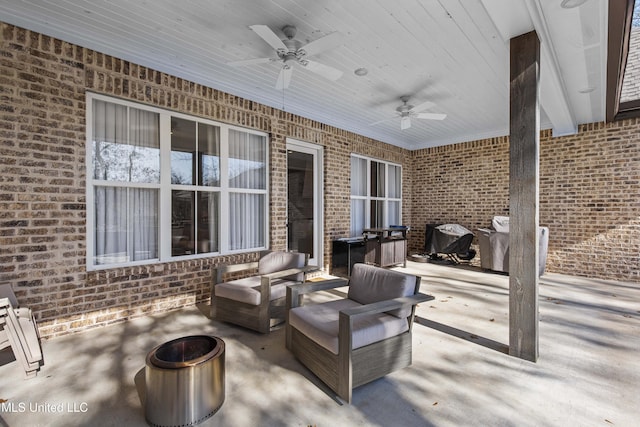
x=279 y=260
x=369 y=284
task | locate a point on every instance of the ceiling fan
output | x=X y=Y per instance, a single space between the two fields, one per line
x=406 y=111
x=291 y=51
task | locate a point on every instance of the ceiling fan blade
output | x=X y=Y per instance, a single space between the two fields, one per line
x=324 y=43
x=284 y=78
x=405 y=123
x=250 y=62
x=324 y=70
x=269 y=36
x=423 y=106
x=431 y=116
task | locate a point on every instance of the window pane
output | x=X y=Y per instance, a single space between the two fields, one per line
x=377 y=179
x=395 y=216
x=395 y=182
x=183 y=148
x=182 y=223
x=358 y=176
x=208 y=221
x=247 y=160
x=120 y=212
x=209 y=155
x=109 y=138
x=144 y=205
x=144 y=160
x=377 y=213
x=125 y=149
x=110 y=238
x=357 y=217
x=247 y=221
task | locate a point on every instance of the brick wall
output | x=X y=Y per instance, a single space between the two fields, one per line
x=589 y=197
x=43 y=83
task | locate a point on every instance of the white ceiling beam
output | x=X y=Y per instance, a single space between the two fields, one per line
x=513 y=18
x=553 y=91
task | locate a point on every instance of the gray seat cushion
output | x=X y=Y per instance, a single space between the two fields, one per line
x=320 y=322
x=247 y=290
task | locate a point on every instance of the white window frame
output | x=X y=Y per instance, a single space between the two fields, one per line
x=368 y=198
x=165 y=187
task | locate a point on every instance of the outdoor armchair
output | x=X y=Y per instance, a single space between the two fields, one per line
x=257 y=302
x=351 y=341
x=18 y=330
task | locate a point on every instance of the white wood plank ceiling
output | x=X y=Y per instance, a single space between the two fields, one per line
x=454 y=53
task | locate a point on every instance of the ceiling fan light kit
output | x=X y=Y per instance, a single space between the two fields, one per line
x=291 y=51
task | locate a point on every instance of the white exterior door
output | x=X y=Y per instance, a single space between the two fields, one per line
x=304 y=199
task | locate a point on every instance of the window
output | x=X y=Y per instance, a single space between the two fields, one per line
x=623 y=61
x=376 y=194
x=195 y=187
x=161 y=185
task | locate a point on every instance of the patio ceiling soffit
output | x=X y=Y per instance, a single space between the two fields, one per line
x=513 y=18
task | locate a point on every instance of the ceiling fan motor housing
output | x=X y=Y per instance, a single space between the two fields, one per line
x=294 y=53
x=405 y=108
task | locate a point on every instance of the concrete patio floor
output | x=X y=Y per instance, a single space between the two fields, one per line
x=588 y=373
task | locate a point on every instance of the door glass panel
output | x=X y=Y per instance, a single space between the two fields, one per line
x=300 y=204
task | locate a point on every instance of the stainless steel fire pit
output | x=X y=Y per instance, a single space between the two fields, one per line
x=184 y=381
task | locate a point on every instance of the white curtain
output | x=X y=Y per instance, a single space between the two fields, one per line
x=110 y=239
x=144 y=157
x=247 y=160
x=109 y=133
x=125 y=150
x=394 y=217
x=358 y=213
x=395 y=182
x=247 y=170
x=246 y=224
x=213 y=221
x=358 y=176
x=144 y=204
